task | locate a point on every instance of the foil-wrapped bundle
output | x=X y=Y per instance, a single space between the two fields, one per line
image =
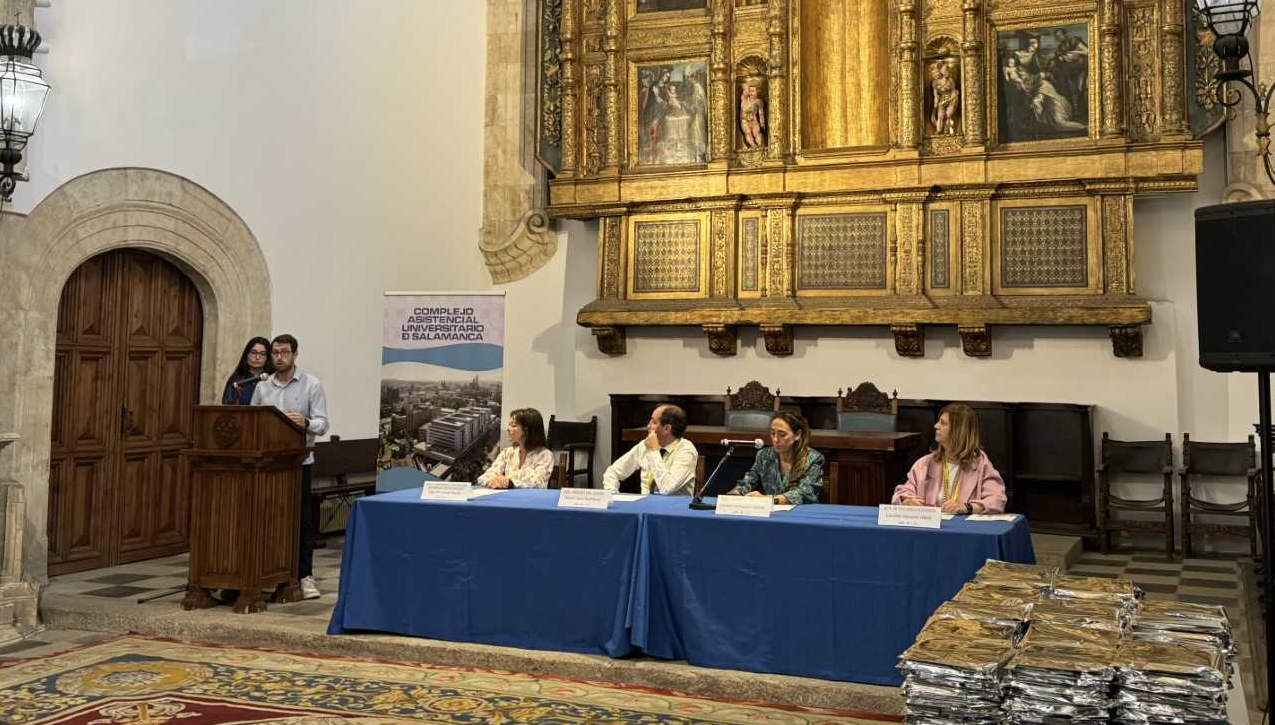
x=1088 y=613
x=997 y=593
x=1051 y=678
x=1098 y=589
x=1004 y=573
x=1010 y=615
x=1169 y=682
x=952 y=673
x=1202 y=625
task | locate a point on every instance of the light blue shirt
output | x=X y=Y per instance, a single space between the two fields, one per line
x=304 y=394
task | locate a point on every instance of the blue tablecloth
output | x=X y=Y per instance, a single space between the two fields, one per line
x=820 y=591
x=509 y=569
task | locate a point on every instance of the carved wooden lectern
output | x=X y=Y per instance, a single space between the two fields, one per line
x=245 y=489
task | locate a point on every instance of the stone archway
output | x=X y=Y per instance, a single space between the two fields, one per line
x=94 y=213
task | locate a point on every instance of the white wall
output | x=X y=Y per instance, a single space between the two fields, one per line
x=261 y=103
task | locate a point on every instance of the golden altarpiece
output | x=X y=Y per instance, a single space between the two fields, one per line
x=900 y=163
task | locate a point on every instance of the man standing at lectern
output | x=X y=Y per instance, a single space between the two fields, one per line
x=665 y=459
x=300 y=396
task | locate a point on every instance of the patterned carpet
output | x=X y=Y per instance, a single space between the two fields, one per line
x=134 y=680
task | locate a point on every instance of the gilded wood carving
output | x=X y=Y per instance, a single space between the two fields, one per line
x=900 y=163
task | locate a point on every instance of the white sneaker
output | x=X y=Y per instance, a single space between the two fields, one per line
x=309 y=590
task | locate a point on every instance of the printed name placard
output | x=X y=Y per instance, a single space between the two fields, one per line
x=585 y=498
x=992 y=517
x=923 y=517
x=760 y=506
x=445 y=491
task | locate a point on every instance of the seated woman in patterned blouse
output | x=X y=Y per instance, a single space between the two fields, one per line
x=790 y=471
x=527 y=462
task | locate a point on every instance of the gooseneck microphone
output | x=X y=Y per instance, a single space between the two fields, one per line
x=697 y=501
x=754 y=443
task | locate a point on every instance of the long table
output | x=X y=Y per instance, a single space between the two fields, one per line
x=819 y=591
x=863 y=467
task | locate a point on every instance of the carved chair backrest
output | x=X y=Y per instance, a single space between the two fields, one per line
x=751 y=407
x=867 y=409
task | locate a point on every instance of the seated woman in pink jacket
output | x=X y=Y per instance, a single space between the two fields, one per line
x=957 y=476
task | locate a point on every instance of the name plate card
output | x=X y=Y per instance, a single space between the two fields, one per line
x=585 y=498
x=759 y=506
x=445 y=491
x=922 y=517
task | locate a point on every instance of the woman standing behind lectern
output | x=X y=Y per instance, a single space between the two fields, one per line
x=790 y=471
x=254 y=361
x=957 y=477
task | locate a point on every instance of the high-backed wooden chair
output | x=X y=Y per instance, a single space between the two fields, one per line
x=867 y=409
x=1219 y=459
x=566 y=439
x=1135 y=457
x=751 y=407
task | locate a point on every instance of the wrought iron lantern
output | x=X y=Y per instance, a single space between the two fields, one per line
x=23 y=92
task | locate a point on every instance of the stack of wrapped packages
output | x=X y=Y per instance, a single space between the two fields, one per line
x=1062 y=671
x=1175 y=665
x=1025 y=644
x=952 y=673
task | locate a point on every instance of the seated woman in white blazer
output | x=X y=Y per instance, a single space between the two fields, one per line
x=527 y=462
x=957 y=477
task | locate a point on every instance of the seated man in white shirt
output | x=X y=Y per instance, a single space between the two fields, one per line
x=665 y=459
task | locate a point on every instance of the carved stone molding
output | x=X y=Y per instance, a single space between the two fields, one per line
x=89 y=215
x=611 y=340
x=722 y=339
x=778 y=339
x=18 y=616
x=909 y=340
x=516 y=237
x=1126 y=341
x=976 y=340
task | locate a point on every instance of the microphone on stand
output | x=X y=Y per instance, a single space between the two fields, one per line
x=259 y=378
x=754 y=443
x=697 y=501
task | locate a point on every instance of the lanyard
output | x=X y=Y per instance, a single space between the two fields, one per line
x=649 y=479
x=948 y=481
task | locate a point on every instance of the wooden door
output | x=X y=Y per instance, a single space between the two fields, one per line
x=125 y=383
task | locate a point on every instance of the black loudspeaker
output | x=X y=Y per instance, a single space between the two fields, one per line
x=1235 y=285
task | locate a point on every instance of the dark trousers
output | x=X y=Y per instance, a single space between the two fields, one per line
x=305 y=551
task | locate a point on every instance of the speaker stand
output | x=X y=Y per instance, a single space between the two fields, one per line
x=1268 y=522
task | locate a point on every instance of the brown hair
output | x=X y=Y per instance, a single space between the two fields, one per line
x=533 y=428
x=801 y=453
x=962 y=436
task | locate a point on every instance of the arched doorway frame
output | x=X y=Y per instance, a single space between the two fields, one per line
x=100 y=211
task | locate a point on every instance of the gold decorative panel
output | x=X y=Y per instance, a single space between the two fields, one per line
x=940 y=249
x=668 y=257
x=841 y=252
x=1046 y=248
x=970 y=163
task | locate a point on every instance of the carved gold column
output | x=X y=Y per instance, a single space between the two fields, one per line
x=909 y=229
x=611 y=272
x=779 y=251
x=1117 y=243
x=777 y=79
x=1173 y=93
x=570 y=67
x=720 y=131
x=611 y=79
x=909 y=133
x=972 y=74
x=1112 y=78
x=975 y=245
x=721 y=242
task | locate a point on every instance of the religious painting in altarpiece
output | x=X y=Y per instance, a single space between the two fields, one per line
x=895 y=163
